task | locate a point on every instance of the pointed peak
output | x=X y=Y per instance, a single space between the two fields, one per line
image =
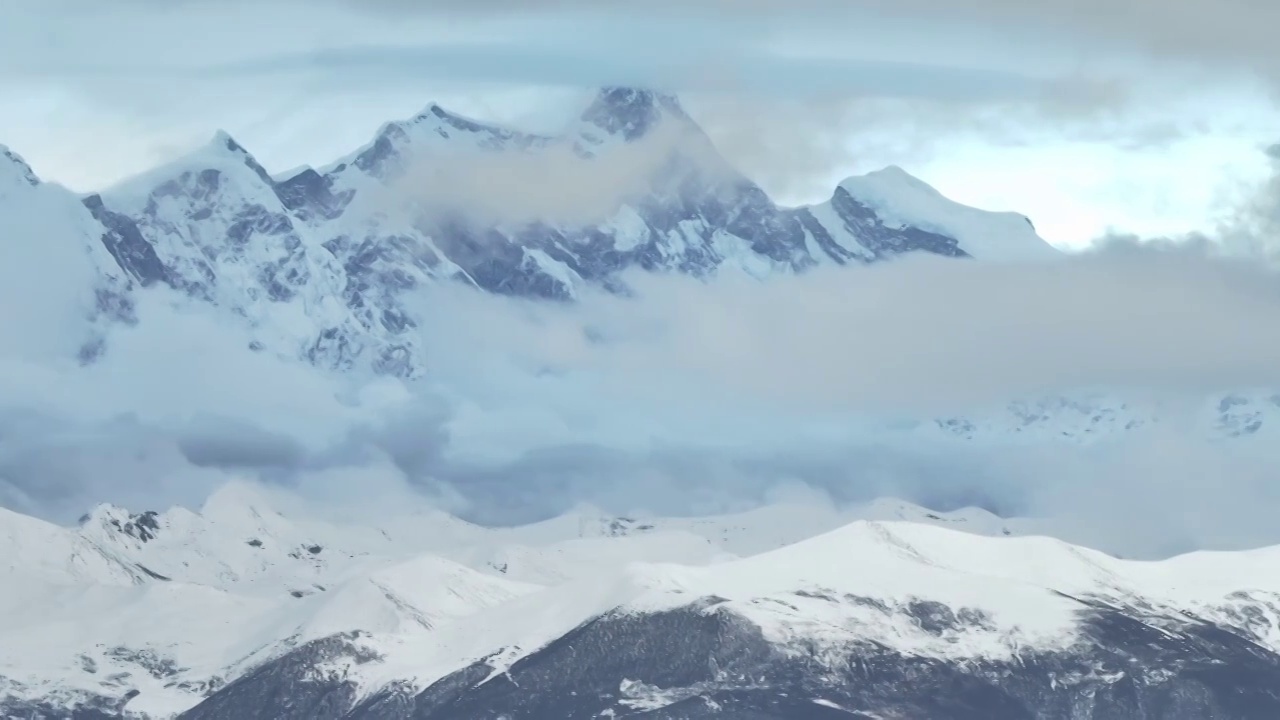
x=220 y=155
x=222 y=140
x=222 y=145
x=12 y=165
x=630 y=112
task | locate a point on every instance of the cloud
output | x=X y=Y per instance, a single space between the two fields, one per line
x=689 y=397
x=1232 y=33
x=922 y=334
x=797 y=96
x=1250 y=225
x=703 y=397
x=129 y=57
x=1224 y=34
x=552 y=180
x=1222 y=28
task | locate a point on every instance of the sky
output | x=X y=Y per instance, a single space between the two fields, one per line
x=1133 y=122
x=1070 y=111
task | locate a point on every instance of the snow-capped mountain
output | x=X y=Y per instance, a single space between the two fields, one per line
x=323 y=264
x=320 y=263
x=888 y=610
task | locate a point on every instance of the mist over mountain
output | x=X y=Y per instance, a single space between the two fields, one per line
x=322 y=263
x=517 y=322
x=475 y=422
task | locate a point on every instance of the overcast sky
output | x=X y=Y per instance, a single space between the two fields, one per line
x=1148 y=117
x=1085 y=115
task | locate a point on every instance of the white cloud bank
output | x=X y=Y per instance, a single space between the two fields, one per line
x=691 y=397
x=699 y=397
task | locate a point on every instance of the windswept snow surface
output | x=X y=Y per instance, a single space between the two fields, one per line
x=903 y=200
x=174 y=605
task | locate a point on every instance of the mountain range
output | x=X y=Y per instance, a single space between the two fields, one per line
x=257 y=605
x=887 y=610
x=322 y=265
x=317 y=263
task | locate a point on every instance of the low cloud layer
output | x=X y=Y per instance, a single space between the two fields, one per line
x=690 y=397
x=563 y=180
x=928 y=335
x=697 y=397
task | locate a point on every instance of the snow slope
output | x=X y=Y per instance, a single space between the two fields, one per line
x=151 y=613
x=902 y=200
x=177 y=603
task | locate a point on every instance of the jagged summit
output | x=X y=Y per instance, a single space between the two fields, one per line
x=631 y=112
x=320 y=263
x=219 y=157
x=222 y=140
x=224 y=145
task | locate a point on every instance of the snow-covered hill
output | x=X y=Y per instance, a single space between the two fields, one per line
x=239 y=611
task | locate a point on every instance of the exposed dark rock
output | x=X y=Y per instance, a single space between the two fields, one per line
x=706 y=662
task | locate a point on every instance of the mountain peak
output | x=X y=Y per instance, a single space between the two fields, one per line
x=222 y=140
x=900 y=199
x=221 y=154
x=13 y=166
x=225 y=147
x=630 y=112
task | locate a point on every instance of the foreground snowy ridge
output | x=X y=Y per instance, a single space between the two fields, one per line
x=238 y=611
